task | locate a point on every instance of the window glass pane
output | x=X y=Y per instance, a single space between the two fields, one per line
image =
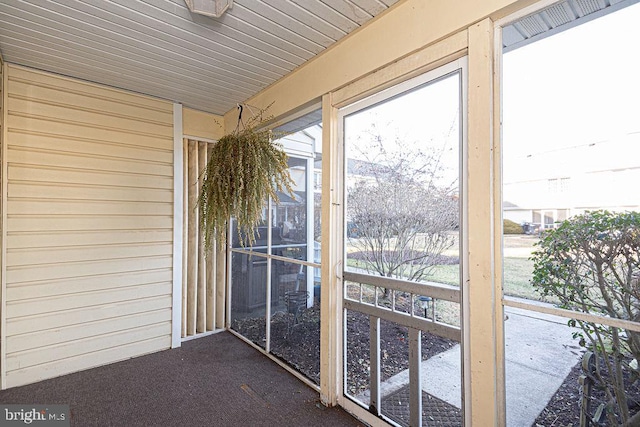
x=289 y=229
x=540 y=354
x=289 y=216
x=402 y=188
x=249 y=296
x=571 y=143
x=295 y=319
x=357 y=356
x=403 y=185
x=260 y=235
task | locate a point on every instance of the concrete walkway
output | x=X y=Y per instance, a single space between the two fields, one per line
x=540 y=352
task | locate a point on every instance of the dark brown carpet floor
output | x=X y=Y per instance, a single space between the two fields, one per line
x=212 y=381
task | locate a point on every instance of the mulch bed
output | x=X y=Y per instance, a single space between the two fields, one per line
x=563 y=409
x=394 y=350
x=299 y=346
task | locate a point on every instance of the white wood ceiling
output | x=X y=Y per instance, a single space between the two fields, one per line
x=157 y=47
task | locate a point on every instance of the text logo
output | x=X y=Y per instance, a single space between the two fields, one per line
x=34 y=415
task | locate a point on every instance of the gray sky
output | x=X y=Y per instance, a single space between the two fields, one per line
x=576 y=87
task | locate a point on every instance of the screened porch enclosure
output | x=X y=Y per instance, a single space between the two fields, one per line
x=404 y=249
x=275 y=282
x=384 y=281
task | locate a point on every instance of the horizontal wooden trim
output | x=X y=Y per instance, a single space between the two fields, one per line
x=85 y=222
x=87 y=360
x=275 y=257
x=71 y=147
x=57 y=111
x=434 y=290
x=85 y=162
x=608 y=321
x=18 y=207
x=37 y=356
x=417 y=63
x=26 y=190
x=74 y=99
x=436 y=328
x=57 y=115
x=201 y=335
x=50 y=174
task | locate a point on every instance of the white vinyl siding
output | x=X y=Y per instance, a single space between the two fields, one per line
x=89 y=225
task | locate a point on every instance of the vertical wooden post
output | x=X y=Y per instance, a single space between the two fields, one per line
x=415 y=377
x=221 y=283
x=331 y=316
x=3 y=224
x=220 y=280
x=201 y=312
x=177 y=288
x=210 y=312
x=185 y=236
x=211 y=288
x=481 y=304
x=374 y=360
x=192 y=252
x=497 y=230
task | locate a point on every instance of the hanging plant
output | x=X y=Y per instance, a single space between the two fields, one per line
x=245 y=168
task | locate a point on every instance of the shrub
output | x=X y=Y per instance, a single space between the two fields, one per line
x=591 y=264
x=510 y=227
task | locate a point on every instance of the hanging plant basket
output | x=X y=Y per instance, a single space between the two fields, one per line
x=245 y=168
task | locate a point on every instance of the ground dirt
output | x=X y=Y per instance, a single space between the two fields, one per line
x=563 y=409
x=298 y=344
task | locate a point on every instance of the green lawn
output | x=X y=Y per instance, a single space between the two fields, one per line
x=447 y=274
x=517 y=268
x=517 y=277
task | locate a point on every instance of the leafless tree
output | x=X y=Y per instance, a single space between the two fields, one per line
x=400 y=214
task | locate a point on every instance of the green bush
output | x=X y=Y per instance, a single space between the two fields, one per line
x=591 y=264
x=510 y=227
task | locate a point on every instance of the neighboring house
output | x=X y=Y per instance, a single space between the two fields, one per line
x=543 y=188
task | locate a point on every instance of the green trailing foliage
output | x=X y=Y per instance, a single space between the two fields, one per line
x=591 y=264
x=245 y=168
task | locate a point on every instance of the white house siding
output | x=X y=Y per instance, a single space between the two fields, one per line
x=89 y=211
x=298 y=144
x=590 y=176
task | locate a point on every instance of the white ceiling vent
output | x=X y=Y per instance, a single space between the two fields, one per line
x=213 y=8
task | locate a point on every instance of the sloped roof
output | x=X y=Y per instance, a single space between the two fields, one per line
x=558 y=17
